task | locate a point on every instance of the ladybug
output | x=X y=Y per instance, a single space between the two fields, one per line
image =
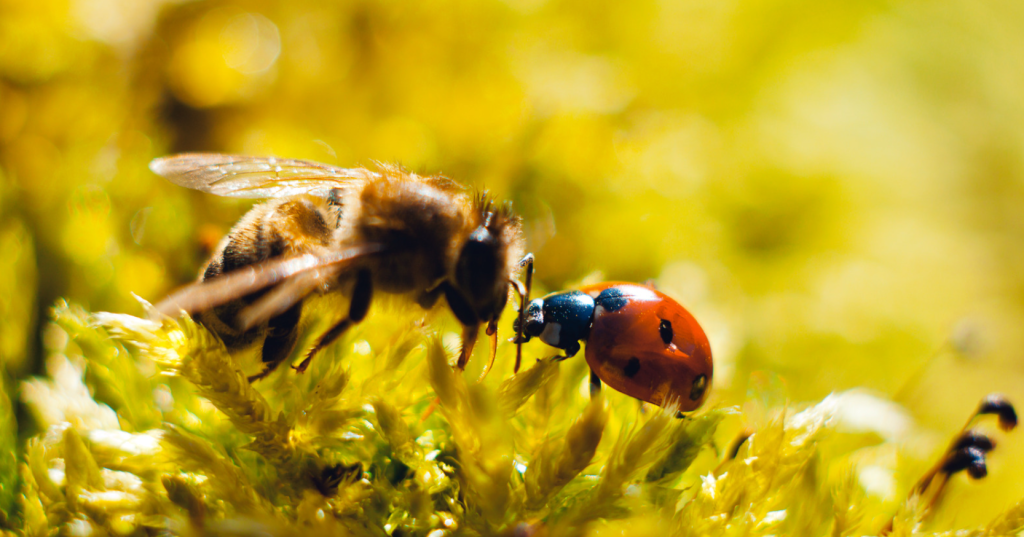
x=639 y=341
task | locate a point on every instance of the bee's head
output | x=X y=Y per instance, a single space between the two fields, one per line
x=481 y=276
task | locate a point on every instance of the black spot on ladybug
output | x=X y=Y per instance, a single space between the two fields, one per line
x=632 y=367
x=611 y=299
x=665 y=331
x=700 y=384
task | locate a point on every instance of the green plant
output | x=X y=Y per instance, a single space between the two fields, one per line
x=152 y=426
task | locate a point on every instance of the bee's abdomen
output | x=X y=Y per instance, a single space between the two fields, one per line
x=244 y=245
x=289 y=226
x=284 y=227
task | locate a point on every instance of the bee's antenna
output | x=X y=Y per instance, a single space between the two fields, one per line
x=524 y=300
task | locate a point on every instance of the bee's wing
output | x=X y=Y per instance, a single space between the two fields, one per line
x=284 y=295
x=254 y=177
x=203 y=296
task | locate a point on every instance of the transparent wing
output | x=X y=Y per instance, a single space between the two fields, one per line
x=285 y=295
x=203 y=296
x=240 y=176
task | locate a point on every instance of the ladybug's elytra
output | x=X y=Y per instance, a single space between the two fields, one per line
x=639 y=341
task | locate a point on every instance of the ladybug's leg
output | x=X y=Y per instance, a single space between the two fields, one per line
x=595 y=384
x=357 y=308
x=570 y=350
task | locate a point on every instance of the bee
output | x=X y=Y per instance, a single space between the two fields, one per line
x=354 y=231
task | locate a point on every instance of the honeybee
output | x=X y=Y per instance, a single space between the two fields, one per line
x=354 y=231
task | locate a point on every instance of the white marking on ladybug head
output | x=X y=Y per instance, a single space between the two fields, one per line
x=552 y=334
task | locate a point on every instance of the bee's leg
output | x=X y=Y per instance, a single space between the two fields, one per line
x=595 y=384
x=524 y=299
x=262 y=374
x=492 y=332
x=282 y=333
x=463 y=311
x=427 y=299
x=362 y=293
x=469 y=334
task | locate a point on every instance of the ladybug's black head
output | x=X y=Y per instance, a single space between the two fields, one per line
x=533 y=320
x=559 y=319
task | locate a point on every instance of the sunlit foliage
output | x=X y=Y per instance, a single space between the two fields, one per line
x=382 y=436
x=833 y=189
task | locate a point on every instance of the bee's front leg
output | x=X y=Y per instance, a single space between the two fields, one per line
x=463 y=311
x=523 y=290
x=469 y=335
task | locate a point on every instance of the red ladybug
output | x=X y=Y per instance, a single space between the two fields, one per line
x=639 y=341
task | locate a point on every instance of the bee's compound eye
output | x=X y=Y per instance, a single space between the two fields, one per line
x=478 y=273
x=699 y=386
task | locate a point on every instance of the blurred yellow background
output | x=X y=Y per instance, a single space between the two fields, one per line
x=834 y=189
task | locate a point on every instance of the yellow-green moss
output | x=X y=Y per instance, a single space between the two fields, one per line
x=153 y=426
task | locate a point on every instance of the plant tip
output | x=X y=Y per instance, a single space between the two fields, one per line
x=974 y=439
x=737 y=443
x=330 y=478
x=971 y=459
x=998 y=404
